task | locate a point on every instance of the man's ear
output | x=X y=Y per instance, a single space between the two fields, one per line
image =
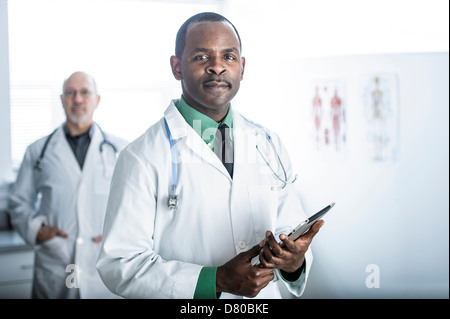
x=175 y=63
x=242 y=67
x=98 y=100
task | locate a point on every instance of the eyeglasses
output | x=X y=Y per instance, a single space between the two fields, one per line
x=73 y=93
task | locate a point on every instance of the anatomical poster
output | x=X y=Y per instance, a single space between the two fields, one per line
x=328 y=109
x=380 y=103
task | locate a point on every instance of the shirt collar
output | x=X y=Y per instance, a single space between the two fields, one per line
x=201 y=122
x=67 y=132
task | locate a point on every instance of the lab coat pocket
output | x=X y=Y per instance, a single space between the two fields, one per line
x=55 y=249
x=264 y=203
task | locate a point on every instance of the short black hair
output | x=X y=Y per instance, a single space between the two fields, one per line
x=199 y=17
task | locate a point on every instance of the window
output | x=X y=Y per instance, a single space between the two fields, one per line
x=124 y=45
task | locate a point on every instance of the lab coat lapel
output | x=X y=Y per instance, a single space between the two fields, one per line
x=93 y=150
x=244 y=141
x=180 y=129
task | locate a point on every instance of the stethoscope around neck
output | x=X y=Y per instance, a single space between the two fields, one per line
x=172 y=202
x=38 y=164
x=173 y=199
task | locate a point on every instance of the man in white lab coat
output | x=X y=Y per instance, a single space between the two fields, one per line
x=58 y=201
x=194 y=210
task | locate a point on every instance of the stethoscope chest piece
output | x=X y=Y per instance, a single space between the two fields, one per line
x=38 y=165
x=172 y=202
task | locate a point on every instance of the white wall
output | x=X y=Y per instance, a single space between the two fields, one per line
x=393 y=214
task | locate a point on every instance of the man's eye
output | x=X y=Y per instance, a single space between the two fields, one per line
x=230 y=57
x=201 y=57
x=85 y=93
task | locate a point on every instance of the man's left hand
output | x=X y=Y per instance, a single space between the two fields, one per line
x=290 y=257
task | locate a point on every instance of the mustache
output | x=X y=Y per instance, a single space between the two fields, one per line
x=75 y=106
x=216 y=79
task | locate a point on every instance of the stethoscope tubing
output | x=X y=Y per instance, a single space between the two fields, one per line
x=173 y=197
x=38 y=163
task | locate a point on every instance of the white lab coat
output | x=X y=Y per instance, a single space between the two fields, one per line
x=150 y=251
x=71 y=199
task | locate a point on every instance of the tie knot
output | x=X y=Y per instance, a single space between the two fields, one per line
x=222 y=127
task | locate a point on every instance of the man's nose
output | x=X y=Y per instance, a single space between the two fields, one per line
x=78 y=97
x=216 y=66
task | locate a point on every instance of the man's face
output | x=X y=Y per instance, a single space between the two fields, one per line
x=211 y=67
x=79 y=99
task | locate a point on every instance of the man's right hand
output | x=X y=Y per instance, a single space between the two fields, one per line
x=239 y=277
x=48 y=232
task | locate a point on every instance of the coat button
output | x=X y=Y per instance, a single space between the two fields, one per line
x=242 y=244
x=79 y=240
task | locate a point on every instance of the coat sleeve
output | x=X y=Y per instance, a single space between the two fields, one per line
x=22 y=201
x=127 y=263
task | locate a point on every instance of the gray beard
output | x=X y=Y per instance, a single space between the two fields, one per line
x=78 y=120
